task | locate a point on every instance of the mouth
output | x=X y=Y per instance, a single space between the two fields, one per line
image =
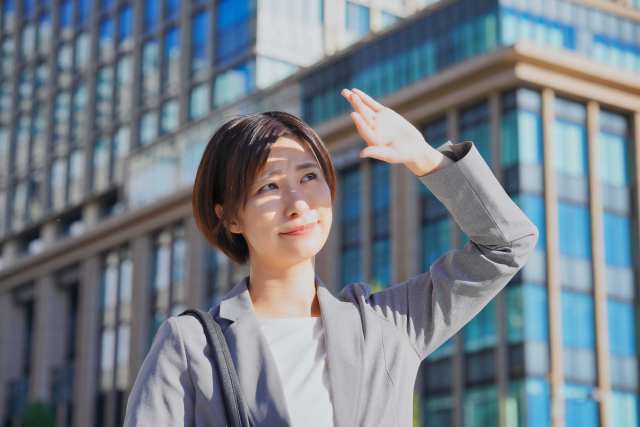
x=302 y=231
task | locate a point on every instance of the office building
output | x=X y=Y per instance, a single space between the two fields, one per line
x=106 y=107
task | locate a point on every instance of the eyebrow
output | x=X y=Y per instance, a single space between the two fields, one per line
x=298 y=168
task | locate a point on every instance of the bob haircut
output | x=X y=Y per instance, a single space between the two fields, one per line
x=234 y=156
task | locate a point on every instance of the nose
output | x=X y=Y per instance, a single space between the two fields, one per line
x=296 y=203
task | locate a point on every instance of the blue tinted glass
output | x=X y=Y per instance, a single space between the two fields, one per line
x=66 y=13
x=84 y=12
x=381 y=264
x=533 y=206
x=380 y=185
x=150 y=15
x=621 y=328
x=578 y=320
x=538 y=399
x=199 y=39
x=574 y=230
x=106 y=4
x=580 y=409
x=480 y=332
x=624 y=405
x=126 y=22
x=364 y=19
x=106 y=29
x=172 y=42
x=233 y=28
x=536 y=310
x=351 y=192
x=436 y=242
x=28 y=8
x=617 y=239
x=172 y=9
x=9 y=7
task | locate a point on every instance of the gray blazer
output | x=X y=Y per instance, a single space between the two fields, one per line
x=375 y=342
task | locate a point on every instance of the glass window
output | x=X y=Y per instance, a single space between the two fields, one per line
x=65 y=58
x=44 y=33
x=121 y=142
x=474 y=126
x=357 y=18
x=82 y=50
x=125 y=30
x=150 y=72
x=61 y=116
x=172 y=9
x=66 y=14
x=171 y=58
x=380 y=225
x=148 y=127
x=28 y=39
x=481 y=406
x=57 y=184
x=104 y=93
x=199 y=101
x=106 y=40
x=580 y=407
x=25 y=87
x=84 y=12
x=233 y=84
x=100 y=165
x=42 y=75
x=150 y=16
x=351 y=270
x=170 y=117
x=233 y=35
x=80 y=102
x=124 y=81
x=199 y=42
x=387 y=19
x=76 y=176
x=623 y=405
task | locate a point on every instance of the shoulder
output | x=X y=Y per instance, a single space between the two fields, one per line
x=357 y=293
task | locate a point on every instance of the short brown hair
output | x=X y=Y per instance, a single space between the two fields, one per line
x=234 y=156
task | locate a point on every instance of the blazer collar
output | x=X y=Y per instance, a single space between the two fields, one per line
x=258 y=373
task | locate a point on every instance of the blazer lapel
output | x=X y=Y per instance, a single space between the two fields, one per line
x=258 y=373
x=257 y=370
x=344 y=341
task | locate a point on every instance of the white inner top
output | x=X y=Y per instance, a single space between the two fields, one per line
x=297 y=345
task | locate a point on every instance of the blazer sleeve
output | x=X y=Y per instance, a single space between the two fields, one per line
x=163 y=393
x=431 y=307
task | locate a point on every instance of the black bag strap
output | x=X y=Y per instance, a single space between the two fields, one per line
x=236 y=405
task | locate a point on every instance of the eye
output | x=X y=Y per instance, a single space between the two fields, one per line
x=315 y=175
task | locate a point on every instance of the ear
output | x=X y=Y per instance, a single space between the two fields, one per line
x=233 y=227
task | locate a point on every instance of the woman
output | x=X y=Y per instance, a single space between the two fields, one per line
x=305 y=357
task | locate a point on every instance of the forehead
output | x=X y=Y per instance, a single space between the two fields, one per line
x=288 y=147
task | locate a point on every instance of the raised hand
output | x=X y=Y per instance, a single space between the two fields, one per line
x=390 y=137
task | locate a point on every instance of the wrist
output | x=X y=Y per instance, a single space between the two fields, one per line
x=428 y=161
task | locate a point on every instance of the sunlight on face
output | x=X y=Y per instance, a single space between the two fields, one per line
x=286 y=197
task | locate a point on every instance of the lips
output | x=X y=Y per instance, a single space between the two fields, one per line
x=302 y=228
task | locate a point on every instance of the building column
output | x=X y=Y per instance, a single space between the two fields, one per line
x=12 y=335
x=85 y=385
x=141 y=254
x=49 y=326
x=457 y=359
x=556 y=375
x=501 y=350
x=598 y=259
x=365 y=221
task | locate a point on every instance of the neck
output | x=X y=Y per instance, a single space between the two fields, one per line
x=278 y=294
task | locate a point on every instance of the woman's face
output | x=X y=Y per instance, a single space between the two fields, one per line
x=290 y=192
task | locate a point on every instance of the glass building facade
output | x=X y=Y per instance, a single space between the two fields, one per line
x=100 y=99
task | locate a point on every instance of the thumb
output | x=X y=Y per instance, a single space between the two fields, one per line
x=384 y=153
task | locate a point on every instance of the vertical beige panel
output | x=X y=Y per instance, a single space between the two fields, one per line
x=85 y=387
x=597 y=249
x=49 y=327
x=365 y=221
x=457 y=360
x=141 y=253
x=502 y=373
x=553 y=253
x=197 y=264
x=405 y=223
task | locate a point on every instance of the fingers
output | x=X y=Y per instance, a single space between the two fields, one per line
x=363 y=129
x=368 y=101
x=365 y=112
